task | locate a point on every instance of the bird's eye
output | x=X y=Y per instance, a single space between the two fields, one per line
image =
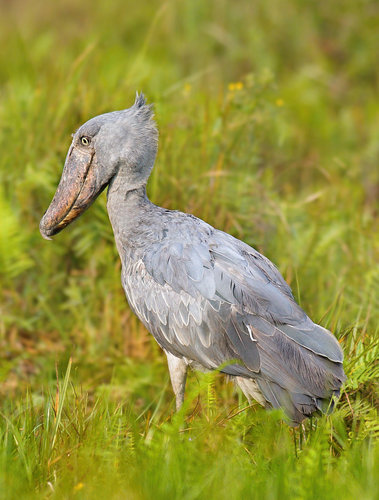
x=85 y=140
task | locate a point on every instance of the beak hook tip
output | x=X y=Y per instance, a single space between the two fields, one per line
x=44 y=235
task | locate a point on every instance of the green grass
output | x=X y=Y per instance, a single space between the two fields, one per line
x=268 y=118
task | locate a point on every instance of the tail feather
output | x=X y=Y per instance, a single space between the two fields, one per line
x=295 y=377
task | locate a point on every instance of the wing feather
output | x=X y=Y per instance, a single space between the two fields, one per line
x=212 y=298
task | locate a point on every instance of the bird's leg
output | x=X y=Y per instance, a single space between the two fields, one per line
x=178 y=374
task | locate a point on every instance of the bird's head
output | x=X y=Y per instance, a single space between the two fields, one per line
x=121 y=142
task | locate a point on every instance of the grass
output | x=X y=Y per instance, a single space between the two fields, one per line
x=268 y=119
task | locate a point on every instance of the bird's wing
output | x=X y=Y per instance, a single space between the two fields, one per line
x=265 y=294
x=184 y=314
x=211 y=298
x=215 y=269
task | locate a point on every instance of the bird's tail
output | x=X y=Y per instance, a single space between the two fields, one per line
x=300 y=370
x=297 y=406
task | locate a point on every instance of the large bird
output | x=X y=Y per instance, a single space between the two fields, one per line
x=209 y=299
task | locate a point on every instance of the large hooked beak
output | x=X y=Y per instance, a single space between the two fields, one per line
x=77 y=190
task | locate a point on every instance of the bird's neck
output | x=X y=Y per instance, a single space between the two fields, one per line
x=128 y=209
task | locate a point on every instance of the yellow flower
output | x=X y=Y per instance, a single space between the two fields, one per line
x=235 y=86
x=187 y=88
x=279 y=102
x=78 y=487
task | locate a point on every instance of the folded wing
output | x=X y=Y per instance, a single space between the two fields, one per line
x=215 y=300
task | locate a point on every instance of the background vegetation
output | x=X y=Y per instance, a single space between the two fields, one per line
x=268 y=118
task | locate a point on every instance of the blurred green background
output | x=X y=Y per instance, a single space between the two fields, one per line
x=269 y=121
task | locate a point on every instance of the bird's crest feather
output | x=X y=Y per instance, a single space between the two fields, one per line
x=140 y=108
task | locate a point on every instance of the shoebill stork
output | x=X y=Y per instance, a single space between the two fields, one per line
x=208 y=299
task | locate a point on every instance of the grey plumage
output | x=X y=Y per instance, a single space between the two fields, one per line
x=209 y=299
